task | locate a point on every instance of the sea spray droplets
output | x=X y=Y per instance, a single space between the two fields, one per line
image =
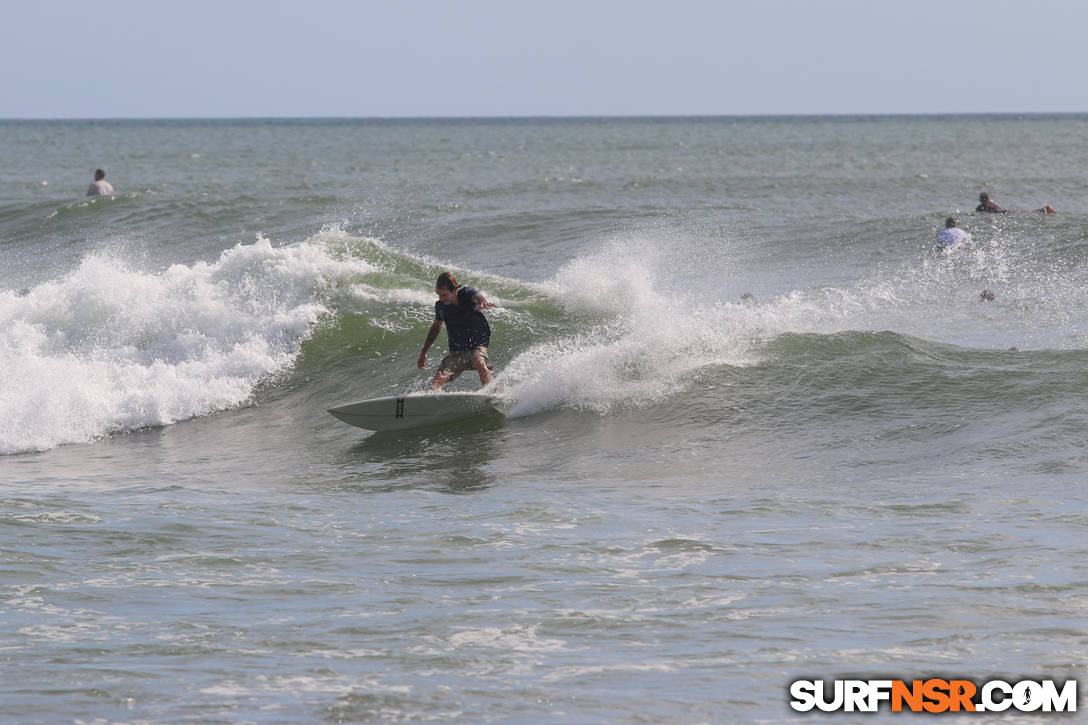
x=110 y=348
x=638 y=341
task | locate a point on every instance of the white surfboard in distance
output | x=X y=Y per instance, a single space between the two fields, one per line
x=399 y=412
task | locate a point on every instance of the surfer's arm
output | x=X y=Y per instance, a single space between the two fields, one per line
x=481 y=302
x=432 y=335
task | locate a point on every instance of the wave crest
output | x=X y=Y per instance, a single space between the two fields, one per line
x=110 y=348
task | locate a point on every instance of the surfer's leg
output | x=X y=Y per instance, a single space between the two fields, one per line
x=452 y=365
x=440 y=378
x=479 y=362
x=485 y=375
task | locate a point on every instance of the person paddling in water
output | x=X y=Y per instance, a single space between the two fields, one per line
x=466 y=327
x=988 y=206
x=100 y=187
x=951 y=235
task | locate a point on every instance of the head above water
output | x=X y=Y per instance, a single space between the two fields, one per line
x=99 y=174
x=446 y=288
x=949 y=222
x=984 y=197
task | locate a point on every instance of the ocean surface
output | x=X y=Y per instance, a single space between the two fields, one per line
x=756 y=427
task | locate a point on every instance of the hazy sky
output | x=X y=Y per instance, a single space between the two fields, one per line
x=232 y=58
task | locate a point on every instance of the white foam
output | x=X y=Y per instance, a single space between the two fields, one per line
x=515 y=639
x=652 y=310
x=582 y=672
x=640 y=341
x=112 y=348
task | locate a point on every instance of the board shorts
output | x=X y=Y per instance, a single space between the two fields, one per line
x=458 y=362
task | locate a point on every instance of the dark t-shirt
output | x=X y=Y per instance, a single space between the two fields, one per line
x=465 y=325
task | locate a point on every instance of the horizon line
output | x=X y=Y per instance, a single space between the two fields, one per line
x=556 y=117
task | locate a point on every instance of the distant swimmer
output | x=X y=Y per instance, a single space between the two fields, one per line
x=951 y=235
x=100 y=187
x=988 y=206
x=466 y=327
x=984 y=204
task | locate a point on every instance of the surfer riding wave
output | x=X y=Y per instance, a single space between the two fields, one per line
x=466 y=327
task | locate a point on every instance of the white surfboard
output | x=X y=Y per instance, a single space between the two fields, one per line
x=398 y=412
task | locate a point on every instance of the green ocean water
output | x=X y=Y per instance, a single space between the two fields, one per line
x=757 y=427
